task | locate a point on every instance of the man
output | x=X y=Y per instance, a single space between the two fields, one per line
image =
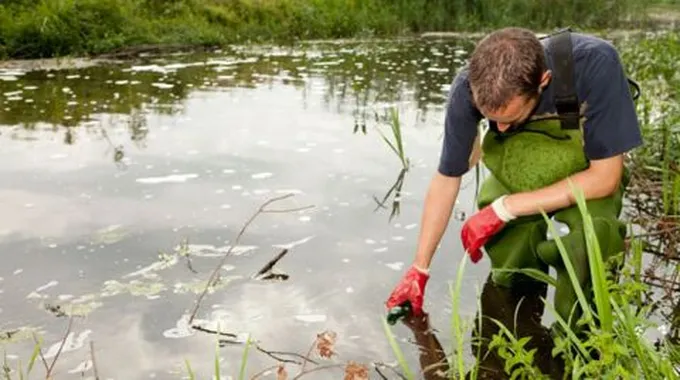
x=559 y=109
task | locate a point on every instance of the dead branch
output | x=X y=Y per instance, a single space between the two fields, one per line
x=275 y=355
x=379 y=364
x=259 y=374
x=61 y=347
x=94 y=362
x=271 y=263
x=260 y=210
x=205 y=330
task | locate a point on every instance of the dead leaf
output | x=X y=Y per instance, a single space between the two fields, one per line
x=281 y=373
x=325 y=342
x=356 y=371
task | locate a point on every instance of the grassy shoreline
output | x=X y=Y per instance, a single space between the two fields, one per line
x=55 y=28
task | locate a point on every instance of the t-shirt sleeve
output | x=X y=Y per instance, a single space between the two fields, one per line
x=611 y=124
x=460 y=128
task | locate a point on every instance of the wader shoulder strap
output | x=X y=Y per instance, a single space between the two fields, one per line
x=566 y=100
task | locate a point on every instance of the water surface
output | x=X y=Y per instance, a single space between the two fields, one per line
x=124 y=184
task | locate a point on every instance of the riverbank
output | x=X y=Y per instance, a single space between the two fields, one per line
x=50 y=28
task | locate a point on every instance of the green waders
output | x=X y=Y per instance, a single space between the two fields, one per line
x=541 y=154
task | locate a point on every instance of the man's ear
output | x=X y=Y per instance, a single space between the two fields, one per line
x=545 y=78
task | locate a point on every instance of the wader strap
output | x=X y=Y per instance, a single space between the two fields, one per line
x=566 y=100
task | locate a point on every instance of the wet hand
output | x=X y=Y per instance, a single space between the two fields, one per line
x=482 y=226
x=410 y=288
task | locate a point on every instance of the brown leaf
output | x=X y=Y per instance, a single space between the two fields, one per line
x=356 y=371
x=281 y=373
x=324 y=343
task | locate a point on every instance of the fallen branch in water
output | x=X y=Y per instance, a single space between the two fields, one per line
x=261 y=210
x=205 y=330
x=268 y=267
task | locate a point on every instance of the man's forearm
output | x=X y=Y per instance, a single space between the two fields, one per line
x=598 y=181
x=437 y=210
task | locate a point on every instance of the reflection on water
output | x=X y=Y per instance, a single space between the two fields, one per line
x=126 y=183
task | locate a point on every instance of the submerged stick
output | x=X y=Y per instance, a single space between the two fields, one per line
x=267 y=267
x=260 y=210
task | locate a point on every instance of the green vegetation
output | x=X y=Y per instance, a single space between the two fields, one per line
x=613 y=344
x=49 y=28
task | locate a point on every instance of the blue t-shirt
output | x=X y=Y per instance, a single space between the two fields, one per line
x=611 y=126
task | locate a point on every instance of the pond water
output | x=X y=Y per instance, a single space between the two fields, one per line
x=124 y=184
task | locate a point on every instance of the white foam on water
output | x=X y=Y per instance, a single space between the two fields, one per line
x=261 y=191
x=65 y=297
x=228 y=171
x=71 y=343
x=13 y=93
x=237 y=187
x=304 y=218
x=411 y=226
x=345 y=260
x=82 y=367
x=225 y=206
x=349 y=289
x=369 y=241
x=261 y=175
x=381 y=249
x=173 y=178
x=181 y=329
x=311 y=318
x=397 y=238
x=47 y=286
x=302 y=150
x=18 y=271
x=293 y=243
x=396 y=266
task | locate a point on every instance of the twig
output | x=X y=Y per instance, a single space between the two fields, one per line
x=306 y=358
x=271 y=263
x=94 y=362
x=379 y=364
x=274 y=355
x=205 y=330
x=61 y=347
x=260 y=210
x=42 y=357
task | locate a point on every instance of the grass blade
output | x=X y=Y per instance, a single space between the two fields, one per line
x=455 y=317
x=190 y=372
x=397 y=351
x=597 y=272
x=531 y=272
x=244 y=360
x=570 y=270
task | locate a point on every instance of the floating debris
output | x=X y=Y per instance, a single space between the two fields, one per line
x=173 y=178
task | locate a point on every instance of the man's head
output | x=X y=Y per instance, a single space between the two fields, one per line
x=507 y=73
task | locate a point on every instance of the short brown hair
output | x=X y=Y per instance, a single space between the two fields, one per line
x=506 y=63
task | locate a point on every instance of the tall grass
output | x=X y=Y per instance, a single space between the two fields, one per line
x=613 y=346
x=47 y=28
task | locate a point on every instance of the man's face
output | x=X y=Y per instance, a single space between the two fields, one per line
x=518 y=109
x=516 y=112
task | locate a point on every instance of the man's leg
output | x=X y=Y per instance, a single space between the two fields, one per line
x=610 y=234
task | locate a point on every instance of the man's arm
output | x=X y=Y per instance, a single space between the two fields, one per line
x=600 y=180
x=439 y=201
x=611 y=129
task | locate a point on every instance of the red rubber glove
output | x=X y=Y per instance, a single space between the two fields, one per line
x=482 y=226
x=410 y=288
